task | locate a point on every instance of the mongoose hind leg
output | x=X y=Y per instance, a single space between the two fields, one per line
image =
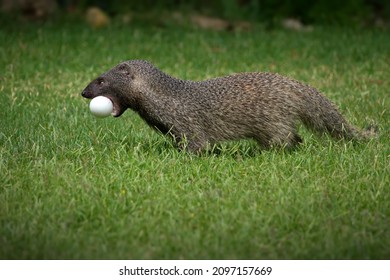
x=288 y=140
x=293 y=141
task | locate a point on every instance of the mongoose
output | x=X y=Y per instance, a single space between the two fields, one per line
x=266 y=107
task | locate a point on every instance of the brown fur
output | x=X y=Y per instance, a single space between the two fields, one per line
x=264 y=106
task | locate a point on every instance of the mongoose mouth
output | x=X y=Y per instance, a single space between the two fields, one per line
x=117 y=109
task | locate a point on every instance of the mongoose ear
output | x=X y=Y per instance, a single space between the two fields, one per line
x=130 y=75
x=124 y=69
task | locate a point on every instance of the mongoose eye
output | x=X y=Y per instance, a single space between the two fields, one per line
x=100 y=82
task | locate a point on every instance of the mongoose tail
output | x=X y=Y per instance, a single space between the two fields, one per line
x=322 y=116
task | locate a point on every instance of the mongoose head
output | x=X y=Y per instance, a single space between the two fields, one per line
x=124 y=85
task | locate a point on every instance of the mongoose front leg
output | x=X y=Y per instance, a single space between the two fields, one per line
x=194 y=145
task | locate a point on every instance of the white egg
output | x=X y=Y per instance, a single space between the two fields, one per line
x=101 y=106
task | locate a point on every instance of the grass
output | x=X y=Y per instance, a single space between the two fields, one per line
x=76 y=187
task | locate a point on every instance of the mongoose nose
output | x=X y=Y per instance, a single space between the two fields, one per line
x=84 y=93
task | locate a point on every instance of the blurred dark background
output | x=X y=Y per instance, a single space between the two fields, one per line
x=336 y=12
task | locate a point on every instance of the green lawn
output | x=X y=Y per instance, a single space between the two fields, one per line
x=76 y=187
